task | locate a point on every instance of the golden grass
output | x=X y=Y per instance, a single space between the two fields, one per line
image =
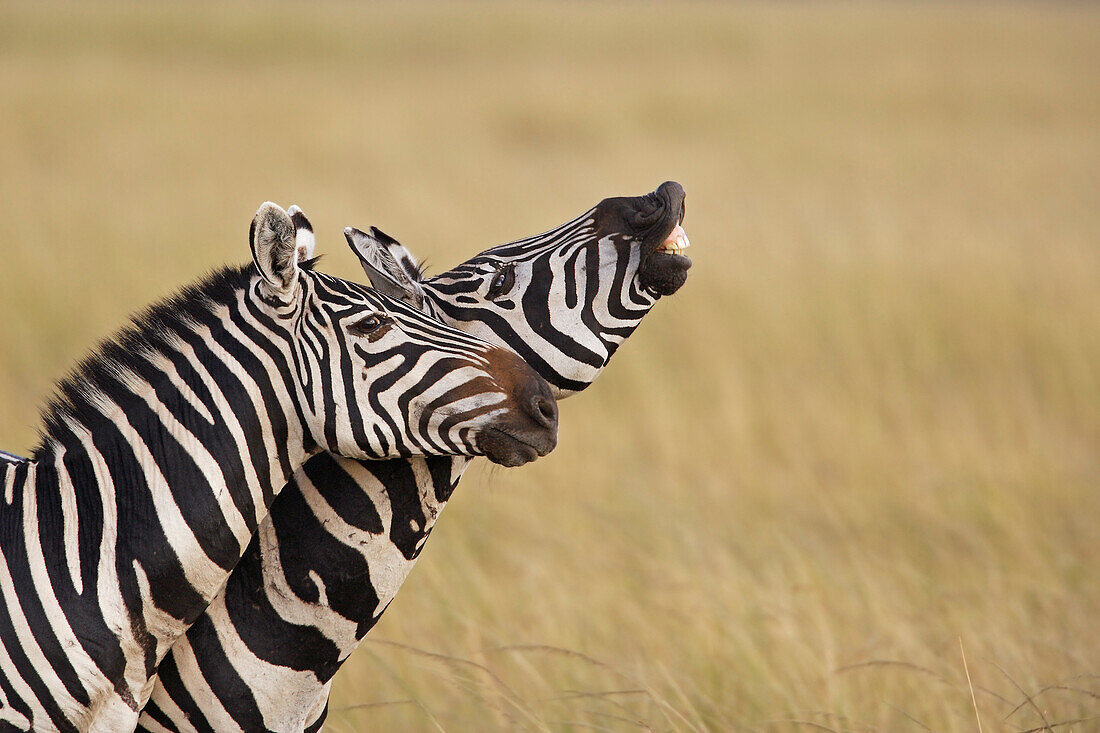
x=863 y=441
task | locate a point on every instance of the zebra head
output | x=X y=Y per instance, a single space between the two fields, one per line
x=563 y=300
x=376 y=378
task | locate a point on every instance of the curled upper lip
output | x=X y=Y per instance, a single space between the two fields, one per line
x=671 y=213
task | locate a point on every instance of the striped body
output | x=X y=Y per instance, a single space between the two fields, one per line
x=321 y=570
x=344 y=534
x=162 y=453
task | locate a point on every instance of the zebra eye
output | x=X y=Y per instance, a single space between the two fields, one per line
x=502 y=282
x=368 y=325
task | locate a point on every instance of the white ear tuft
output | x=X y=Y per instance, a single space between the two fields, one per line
x=304 y=239
x=273 y=249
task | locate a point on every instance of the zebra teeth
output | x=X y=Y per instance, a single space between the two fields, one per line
x=676 y=243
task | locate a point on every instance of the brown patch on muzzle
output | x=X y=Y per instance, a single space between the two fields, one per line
x=529 y=427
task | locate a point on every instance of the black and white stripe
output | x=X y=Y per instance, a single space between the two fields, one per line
x=344 y=534
x=161 y=454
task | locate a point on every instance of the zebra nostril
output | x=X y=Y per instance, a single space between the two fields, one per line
x=546 y=410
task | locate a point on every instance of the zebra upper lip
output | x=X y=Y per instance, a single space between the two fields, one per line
x=663 y=269
x=669 y=237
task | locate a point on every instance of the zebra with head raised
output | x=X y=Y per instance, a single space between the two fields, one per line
x=161 y=454
x=343 y=536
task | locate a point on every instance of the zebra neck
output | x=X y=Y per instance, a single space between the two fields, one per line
x=159 y=457
x=346 y=518
x=212 y=455
x=205 y=399
x=153 y=473
x=204 y=377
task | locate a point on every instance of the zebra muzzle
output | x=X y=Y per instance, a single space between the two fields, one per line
x=664 y=267
x=529 y=427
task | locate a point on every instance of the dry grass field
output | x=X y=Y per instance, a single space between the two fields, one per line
x=848 y=479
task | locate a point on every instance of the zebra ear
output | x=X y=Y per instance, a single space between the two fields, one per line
x=303 y=233
x=399 y=252
x=389 y=266
x=273 y=248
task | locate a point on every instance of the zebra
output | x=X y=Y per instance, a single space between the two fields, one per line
x=343 y=536
x=162 y=452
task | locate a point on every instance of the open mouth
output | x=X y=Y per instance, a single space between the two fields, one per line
x=664 y=266
x=676 y=242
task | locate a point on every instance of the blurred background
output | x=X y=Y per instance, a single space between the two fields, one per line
x=846 y=479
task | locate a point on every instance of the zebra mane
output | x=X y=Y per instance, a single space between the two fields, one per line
x=150 y=331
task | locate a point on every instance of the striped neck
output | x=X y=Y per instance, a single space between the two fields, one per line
x=197 y=391
x=159 y=457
